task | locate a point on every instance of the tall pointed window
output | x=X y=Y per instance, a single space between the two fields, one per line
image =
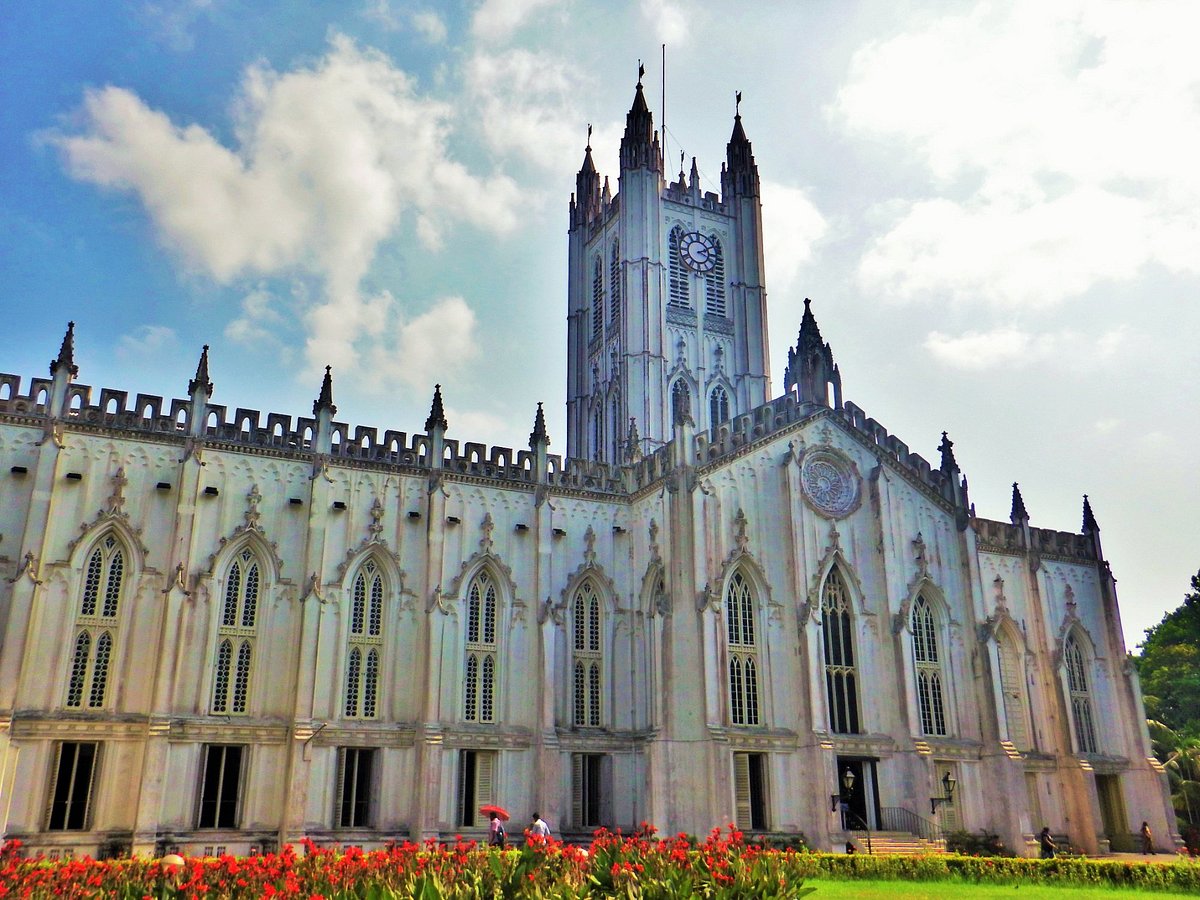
x=1081 y=696
x=743 y=652
x=927 y=662
x=614 y=284
x=681 y=401
x=597 y=297
x=1012 y=687
x=714 y=283
x=677 y=276
x=365 y=643
x=236 y=634
x=96 y=625
x=587 y=659
x=479 y=681
x=841 y=676
x=718 y=406
x=615 y=428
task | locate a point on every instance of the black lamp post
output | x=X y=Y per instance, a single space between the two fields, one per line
x=948 y=785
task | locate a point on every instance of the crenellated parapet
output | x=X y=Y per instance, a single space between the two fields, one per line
x=1004 y=537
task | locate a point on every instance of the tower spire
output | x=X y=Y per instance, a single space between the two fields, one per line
x=1089 y=519
x=437 y=414
x=1018 y=514
x=538 y=435
x=949 y=463
x=201 y=380
x=739 y=175
x=639 y=144
x=66 y=354
x=325 y=401
x=810 y=367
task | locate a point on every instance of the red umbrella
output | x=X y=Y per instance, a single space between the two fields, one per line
x=488 y=808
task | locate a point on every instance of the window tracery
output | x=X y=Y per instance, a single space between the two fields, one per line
x=743 y=651
x=841 y=673
x=479 y=682
x=96 y=624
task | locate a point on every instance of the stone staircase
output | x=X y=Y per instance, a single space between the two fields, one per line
x=900 y=843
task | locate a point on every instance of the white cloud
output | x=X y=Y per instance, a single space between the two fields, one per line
x=146 y=340
x=259 y=321
x=668 y=21
x=330 y=157
x=171 y=21
x=430 y=26
x=496 y=20
x=425 y=349
x=792 y=225
x=981 y=350
x=1062 y=137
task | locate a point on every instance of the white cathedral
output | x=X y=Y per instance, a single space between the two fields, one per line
x=223 y=632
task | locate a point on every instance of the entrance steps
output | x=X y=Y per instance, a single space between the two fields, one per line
x=899 y=843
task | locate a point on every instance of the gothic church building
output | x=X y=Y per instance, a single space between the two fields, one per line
x=224 y=631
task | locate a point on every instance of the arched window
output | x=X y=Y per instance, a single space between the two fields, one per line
x=1012 y=687
x=1081 y=697
x=614 y=284
x=681 y=401
x=236 y=635
x=743 y=652
x=927 y=662
x=714 y=283
x=479 y=682
x=587 y=656
x=365 y=642
x=597 y=430
x=677 y=276
x=597 y=297
x=718 y=406
x=96 y=625
x=841 y=676
x=615 y=430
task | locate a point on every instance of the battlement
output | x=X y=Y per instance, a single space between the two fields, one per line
x=1008 y=538
x=151 y=414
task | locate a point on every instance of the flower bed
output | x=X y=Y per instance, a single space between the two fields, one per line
x=641 y=865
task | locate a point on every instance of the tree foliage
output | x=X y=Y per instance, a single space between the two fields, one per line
x=1169 y=666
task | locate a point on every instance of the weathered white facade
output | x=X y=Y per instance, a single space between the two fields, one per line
x=224 y=631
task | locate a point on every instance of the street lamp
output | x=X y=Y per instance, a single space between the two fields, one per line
x=844 y=793
x=948 y=785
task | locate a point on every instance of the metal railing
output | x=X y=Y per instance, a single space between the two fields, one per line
x=895 y=818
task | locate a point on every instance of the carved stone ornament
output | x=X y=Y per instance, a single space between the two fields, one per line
x=829 y=481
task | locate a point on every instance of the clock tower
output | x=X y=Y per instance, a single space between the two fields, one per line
x=667 y=302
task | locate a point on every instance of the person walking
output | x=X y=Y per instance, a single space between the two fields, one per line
x=496 y=836
x=538 y=828
x=1047 y=843
x=1147 y=838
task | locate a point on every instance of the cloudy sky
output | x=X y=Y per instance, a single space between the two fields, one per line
x=995 y=208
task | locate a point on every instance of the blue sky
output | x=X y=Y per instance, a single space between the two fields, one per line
x=993 y=207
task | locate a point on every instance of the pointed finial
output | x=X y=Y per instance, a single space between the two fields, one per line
x=641 y=72
x=325 y=401
x=437 y=414
x=538 y=435
x=588 y=148
x=949 y=463
x=201 y=380
x=1018 y=513
x=1089 y=520
x=66 y=353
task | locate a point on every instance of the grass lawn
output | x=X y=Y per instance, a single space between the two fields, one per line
x=912 y=890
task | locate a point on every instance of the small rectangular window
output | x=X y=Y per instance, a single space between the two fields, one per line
x=355 y=774
x=220 y=786
x=71 y=787
x=476 y=785
x=587 y=789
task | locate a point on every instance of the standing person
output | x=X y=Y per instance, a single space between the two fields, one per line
x=1047 y=843
x=1147 y=838
x=496 y=835
x=538 y=828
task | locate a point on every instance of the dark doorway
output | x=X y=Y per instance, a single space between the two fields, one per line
x=859 y=793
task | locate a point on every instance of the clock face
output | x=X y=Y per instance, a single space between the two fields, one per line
x=698 y=251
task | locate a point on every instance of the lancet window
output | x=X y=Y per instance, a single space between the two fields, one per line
x=677 y=276
x=479 y=681
x=96 y=625
x=236 y=634
x=681 y=401
x=841 y=675
x=1012 y=687
x=743 y=652
x=614 y=284
x=927 y=662
x=1081 y=696
x=718 y=406
x=597 y=297
x=365 y=644
x=587 y=659
x=714 y=283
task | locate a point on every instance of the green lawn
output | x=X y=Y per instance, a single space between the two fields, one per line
x=911 y=890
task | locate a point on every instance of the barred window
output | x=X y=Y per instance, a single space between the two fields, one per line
x=714 y=282
x=743 y=652
x=1081 y=697
x=597 y=297
x=678 y=292
x=841 y=675
x=103 y=578
x=587 y=655
x=95 y=637
x=233 y=669
x=365 y=643
x=718 y=406
x=614 y=284
x=479 y=683
x=927 y=663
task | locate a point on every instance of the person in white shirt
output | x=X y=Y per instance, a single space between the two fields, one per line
x=538 y=828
